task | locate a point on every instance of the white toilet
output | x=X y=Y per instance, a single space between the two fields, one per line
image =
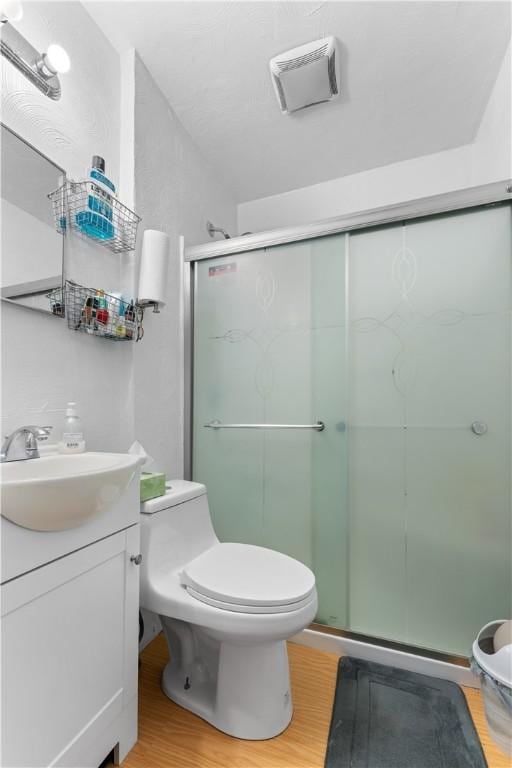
x=226 y=611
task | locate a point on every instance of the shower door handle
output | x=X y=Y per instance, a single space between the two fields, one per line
x=318 y=426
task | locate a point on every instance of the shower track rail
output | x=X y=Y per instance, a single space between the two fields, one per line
x=318 y=426
x=447 y=202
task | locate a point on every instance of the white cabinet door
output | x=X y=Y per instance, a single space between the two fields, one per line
x=69 y=653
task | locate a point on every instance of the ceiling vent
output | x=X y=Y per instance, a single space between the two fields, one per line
x=306 y=75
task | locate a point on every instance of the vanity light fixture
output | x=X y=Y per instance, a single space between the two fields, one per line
x=54 y=61
x=42 y=69
x=10 y=10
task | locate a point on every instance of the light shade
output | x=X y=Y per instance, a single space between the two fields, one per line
x=56 y=59
x=10 y=10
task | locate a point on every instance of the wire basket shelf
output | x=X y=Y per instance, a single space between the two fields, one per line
x=102 y=314
x=93 y=213
x=56 y=300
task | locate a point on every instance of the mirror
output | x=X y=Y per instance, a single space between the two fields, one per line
x=32 y=249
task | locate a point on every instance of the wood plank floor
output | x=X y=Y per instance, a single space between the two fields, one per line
x=171 y=737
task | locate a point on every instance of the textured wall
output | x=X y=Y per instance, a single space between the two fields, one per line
x=176 y=192
x=492 y=148
x=488 y=158
x=43 y=363
x=414 y=80
x=86 y=119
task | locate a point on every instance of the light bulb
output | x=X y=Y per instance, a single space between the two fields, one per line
x=56 y=59
x=10 y=10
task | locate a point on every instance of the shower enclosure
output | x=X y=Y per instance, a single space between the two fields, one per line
x=352 y=408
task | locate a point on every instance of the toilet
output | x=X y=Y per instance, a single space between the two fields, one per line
x=226 y=611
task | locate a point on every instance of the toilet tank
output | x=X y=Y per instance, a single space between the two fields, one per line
x=176 y=527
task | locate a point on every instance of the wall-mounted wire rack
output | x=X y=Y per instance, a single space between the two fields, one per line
x=94 y=214
x=101 y=314
x=56 y=300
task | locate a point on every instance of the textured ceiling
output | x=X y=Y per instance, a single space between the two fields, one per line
x=415 y=79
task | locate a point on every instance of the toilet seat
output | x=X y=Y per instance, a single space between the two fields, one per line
x=248 y=579
x=237 y=608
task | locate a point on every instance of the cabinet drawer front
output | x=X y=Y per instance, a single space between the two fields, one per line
x=63 y=669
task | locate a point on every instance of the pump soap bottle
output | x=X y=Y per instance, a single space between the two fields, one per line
x=72 y=435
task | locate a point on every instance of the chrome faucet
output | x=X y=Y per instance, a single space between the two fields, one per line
x=22 y=443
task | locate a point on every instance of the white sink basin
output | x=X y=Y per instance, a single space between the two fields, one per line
x=60 y=491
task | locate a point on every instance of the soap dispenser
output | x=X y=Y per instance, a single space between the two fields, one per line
x=72 y=435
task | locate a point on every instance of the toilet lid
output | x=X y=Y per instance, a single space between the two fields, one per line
x=244 y=575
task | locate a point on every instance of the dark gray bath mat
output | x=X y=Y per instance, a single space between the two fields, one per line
x=384 y=717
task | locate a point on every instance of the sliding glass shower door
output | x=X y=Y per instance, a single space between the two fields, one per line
x=269 y=348
x=430 y=428
x=397 y=338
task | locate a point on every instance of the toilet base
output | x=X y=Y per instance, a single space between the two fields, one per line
x=243 y=690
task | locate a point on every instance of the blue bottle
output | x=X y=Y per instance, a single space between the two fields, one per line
x=97 y=219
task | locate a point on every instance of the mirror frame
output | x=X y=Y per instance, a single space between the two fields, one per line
x=14 y=302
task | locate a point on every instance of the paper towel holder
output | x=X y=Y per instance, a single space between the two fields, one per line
x=146 y=303
x=153 y=270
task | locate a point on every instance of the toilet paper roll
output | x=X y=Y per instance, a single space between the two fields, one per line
x=154 y=264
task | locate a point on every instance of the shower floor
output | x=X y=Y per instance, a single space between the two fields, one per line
x=171 y=737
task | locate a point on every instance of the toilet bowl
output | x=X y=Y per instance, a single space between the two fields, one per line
x=226 y=611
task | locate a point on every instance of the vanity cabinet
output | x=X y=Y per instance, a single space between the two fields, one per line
x=70 y=657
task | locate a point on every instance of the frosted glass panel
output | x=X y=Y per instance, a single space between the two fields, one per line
x=269 y=348
x=430 y=519
x=377 y=533
x=399 y=339
x=458 y=536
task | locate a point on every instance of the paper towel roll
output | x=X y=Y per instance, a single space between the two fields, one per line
x=154 y=263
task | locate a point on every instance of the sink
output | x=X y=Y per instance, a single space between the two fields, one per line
x=60 y=491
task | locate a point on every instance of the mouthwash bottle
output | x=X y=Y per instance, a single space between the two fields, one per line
x=97 y=219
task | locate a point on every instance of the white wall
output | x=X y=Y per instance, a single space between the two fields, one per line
x=43 y=363
x=492 y=148
x=175 y=191
x=487 y=159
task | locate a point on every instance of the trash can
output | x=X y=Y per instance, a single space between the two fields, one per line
x=494 y=667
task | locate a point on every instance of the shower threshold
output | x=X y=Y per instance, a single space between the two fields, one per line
x=402 y=656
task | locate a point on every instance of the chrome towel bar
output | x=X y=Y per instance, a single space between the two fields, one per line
x=319 y=426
